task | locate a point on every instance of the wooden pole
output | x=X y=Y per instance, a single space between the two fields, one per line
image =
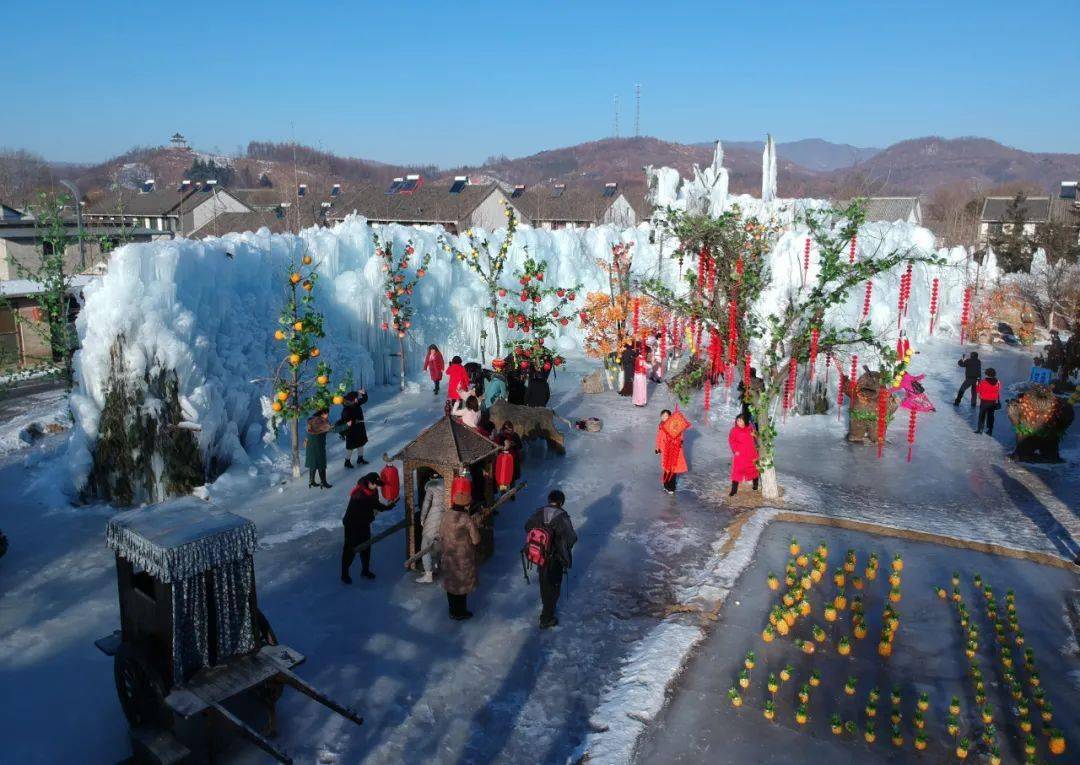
x=382 y=535
x=481 y=517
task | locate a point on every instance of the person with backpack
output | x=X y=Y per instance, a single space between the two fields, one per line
x=459 y=536
x=364 y=505
x=549 y=544
x=989 y=390
x=972 y=372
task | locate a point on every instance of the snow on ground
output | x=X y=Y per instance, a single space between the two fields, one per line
x=27 y=417
x=495 y=689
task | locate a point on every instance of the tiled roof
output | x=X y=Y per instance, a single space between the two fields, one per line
x=890 y=209
x=575 y=204
x=449 y=443
x=995 y=209
x=131 y=202
x=430 y=203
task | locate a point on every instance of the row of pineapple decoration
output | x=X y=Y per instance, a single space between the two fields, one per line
x=1027 y=692
x=804 y=571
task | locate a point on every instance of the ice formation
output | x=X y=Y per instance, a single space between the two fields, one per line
x=768 y=170
x=206 y=310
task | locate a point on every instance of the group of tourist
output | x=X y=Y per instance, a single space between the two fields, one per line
x=985 y=390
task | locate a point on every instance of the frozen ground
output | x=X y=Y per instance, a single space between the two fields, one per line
x=700 y=725
x=494 y=689
x=32 y=411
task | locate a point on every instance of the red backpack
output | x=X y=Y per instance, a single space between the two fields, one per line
x=537 y=549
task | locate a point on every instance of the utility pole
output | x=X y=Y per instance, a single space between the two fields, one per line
x=616 y=116
x=637 y=110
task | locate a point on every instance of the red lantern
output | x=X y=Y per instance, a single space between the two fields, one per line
x=663 y=342
x=965 y=315
x=933 y=303
x=502 y=293
x=851 y=253
x=733 y=330
x=839 y=390
x=854 y=376
x=866 y=299
x=806 y=260
x=815 y=335
x=911 y=433
x=461 y=490
x=391 y=483
x=524 y=365
x=789 y=386
x=504 y=470
x=739 y=268
x=637 y=311
x=384 y=326
x=708 y=391
x=882 y=418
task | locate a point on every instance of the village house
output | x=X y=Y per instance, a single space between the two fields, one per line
x=893 y=209
x=559 y=205
x=181 y=210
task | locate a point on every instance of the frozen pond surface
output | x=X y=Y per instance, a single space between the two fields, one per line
x=700 y=725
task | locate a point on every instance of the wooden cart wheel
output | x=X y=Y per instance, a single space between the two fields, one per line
x=141 y=690
x=266 y=632
x=269 y=691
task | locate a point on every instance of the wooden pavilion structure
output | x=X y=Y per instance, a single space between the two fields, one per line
x=448 y=449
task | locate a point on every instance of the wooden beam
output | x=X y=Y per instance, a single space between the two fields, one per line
x=382 y=535
x=250 y=734
x=296 y=682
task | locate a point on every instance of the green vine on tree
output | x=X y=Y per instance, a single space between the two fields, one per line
x=489 y=265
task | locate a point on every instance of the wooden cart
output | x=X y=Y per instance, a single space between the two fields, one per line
x=193 y=647
x=449 y=449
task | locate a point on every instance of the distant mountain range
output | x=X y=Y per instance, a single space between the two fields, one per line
x=811 y=167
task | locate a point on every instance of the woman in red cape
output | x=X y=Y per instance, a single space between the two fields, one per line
x=670 y=449
x=744 y=454
x=433 y=365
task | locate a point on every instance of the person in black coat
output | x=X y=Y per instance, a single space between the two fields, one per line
x=563 y=538
x=628 y=359
x=515 y=382
x=355 y=435
x=364 y=505
x=539 y=392
x=972 y=372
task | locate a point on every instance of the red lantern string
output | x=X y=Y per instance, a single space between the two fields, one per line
x=882 y=414
x=815 y=335
x=851 y=253
x=746 y=373
x=866 y=299
x=907 y=288
x=806 y=259
x=965 y=315
x=637 y=312
x=703 y=258
x=933 y=303
x=733 y=330
x=911 y=433
x=739 y=268
x=697 y=337
x=708 y=392
x=663 y=342
x=839 y=390
x=900 y=300
x=854 y=380
x=789 y=386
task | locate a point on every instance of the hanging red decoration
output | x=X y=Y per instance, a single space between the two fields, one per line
x=851 y=253
x=907 y=287
x=900 y=300
x=854 y=379
x=933 y=303
x=697 y=338
x=866 y=299
x=965 y=315
x=789 y=386
x=911 y=433
x=637 y=314
x=882 y=418
x=703 y=267
x=708 y=392
x=733 y=330
x=815 y=336
x=739 y=268
x=676 y=333
x=663 y=342
x=806 y=259
x=839 y=390
x=746 y=373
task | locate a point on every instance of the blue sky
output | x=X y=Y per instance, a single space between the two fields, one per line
x=455 y=82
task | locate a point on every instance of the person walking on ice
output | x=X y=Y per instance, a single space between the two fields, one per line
x=459 y=537
x=549 y=543
x=669 y=445
x=431 y=515
x=989 y=401
x=352 y=415
x=641 y=384
x=972 y=372
x=364 y=505
x=318 y=425
x=744 y=455
x=434 y=365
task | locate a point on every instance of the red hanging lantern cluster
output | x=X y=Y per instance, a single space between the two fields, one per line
x=663 y=342
x=839 y=389
x=815 y=336
x=703 y=270
x=697 y=337
x=733 y=330
x=907 y=287
x=965 y=314
x=882 y=418
x=676 y=333
x=746 y=373
x=637 y=315
x=854 y=379
x=789 y=386
x=708 y=392
x=866 y=299
x=911 y=433
x=806 y=259
x=933 y=304
x=851 y=252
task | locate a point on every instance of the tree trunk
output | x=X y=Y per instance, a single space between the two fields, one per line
x=770 y=487
x=401 y=354
x=294 y=432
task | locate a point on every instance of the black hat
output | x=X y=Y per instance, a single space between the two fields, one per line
x=372 y=478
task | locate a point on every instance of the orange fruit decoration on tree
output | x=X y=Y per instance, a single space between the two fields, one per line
x=279 y=335
x=338 y=400
x=307 y=260
x=315 y=353
x=276 y=406
x=322 y=379
x=294 y=359
x=295 y=278
x=298 y=326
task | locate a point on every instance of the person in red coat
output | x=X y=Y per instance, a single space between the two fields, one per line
x=989 y=392
x=433 y=365
x=457 y=379
x=744 y=454
x=672 y=457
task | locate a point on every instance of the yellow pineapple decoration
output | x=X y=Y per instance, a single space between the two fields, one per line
x=772 y=684
x=793 y=547
x=897 y=563
x=844 y=646
x=768 y=634
x=769 y=712
x=1057 y=742
x=734 y=697
x=774 y=583
x=830 y=612
x=962 y=748
x=921 y=741
x=838 y=578
x=801 y=715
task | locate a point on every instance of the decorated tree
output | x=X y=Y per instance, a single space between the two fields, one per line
x=803 y=326
x=620 y=313
x=398 y=289
x=543 y=308
x=300 y=390
x=489 y=266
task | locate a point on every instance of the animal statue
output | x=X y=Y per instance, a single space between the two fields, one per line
x=862 y=422
x=1040 y=419
x=530 y=423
